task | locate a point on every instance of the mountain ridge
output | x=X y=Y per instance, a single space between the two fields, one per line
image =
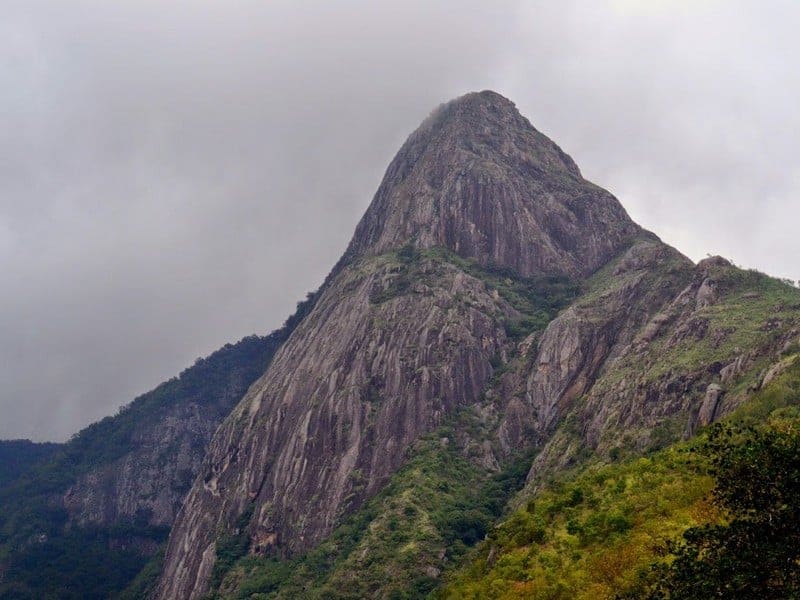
x=109 y=494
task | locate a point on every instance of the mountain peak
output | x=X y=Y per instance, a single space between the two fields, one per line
x=483 y=118
x=476 y=177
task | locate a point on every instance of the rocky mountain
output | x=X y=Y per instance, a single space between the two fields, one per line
x=162 y=447
x=497 y=326
x=464 y=180
x=409 y=330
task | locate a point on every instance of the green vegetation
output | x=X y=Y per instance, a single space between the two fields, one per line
x=428 y=517
x=755 y=551
x=19 y=456
x=587 y=535
x=230 y=547
x=34 y=538
x=407 y=269
x=78 y=563
x=592 y=533
x=435 y=508
x=751 y=310
x=609 y=531
x=146 y=579
x=652 y=526
x=537 y=299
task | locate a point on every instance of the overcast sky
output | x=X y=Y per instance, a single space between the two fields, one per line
x=175 y=175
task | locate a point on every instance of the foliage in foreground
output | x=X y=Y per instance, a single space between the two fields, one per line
x=755 y=551
x=615 y=531
x=588 y=535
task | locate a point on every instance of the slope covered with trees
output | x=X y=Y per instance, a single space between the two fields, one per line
x=711 y=518
x=82 y=519
x=503 y=389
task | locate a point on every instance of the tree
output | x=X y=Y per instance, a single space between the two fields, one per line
x=757 y=553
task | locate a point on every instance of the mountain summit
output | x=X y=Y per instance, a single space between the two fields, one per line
x=478 y=179
x=494 y=314
x=406 y=332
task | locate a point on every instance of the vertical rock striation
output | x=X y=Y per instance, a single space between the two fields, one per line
x=477 y=178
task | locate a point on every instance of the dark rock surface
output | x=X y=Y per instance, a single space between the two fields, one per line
x=149 y=455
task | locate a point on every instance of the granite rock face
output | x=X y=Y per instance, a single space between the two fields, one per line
x=477 y=178
x=333 y=416
x=712 y=336
x=154 y=476
x=443 y=311
x=387 y=356
x=407 y=332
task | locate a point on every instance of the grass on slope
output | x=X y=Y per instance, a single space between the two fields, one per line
x=537 y=299
x=594 y=534
x=435 y=508
x=587 y=537
x=751 y=310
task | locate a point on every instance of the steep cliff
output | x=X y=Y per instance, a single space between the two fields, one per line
x=496 y=324
x=161 y=439
x=698 y=358
x=404 y=335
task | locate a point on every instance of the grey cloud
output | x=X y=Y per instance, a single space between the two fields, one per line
x=176 y=176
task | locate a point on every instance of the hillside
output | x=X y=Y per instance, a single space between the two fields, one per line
x=19 y=456
x=79 y=520
x=599 y=531
x=590 y=524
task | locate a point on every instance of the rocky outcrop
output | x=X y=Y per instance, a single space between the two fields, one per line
x=693 y=362
x=152 y=478
x=587 y=335
x=404 y=334
x=710 y=404
x=775 y=370
x=332 y=418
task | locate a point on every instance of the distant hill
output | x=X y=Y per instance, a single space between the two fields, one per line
x=19 y=456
